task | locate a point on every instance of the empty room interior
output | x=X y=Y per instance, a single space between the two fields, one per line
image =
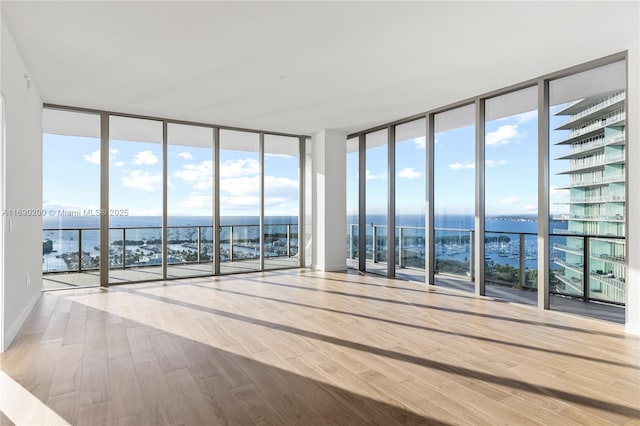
x=338 y=213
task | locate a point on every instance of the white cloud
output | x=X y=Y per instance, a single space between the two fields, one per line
x=372 y=176
x=145 y=158
x=118 y=164
x=510 y=201
x=495 y=163
x=139 y=179
x=460 y=166
x=421 y=142
x=530 y=208
x=409 y=173
x=199 y=175
x=94 y=157
x=240 y=167
x=240 y=186
x=502 y=135
x=185 y=155
x=242 y=193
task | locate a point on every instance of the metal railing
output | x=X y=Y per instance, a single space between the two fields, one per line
x=142 y=246
x=615 y=98
x=510 y=258
x=591 y=267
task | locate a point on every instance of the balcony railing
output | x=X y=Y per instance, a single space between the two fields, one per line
x=602 y=257
x=597 y=199
x=596 y=180
x=78 y=249
x=598 y=123
x=510 y=258
x=618 y=97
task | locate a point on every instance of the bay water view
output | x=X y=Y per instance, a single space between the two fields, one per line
x=137 y=240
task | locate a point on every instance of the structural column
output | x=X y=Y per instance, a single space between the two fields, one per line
x=329 y=204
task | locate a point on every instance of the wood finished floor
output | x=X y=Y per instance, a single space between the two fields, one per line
x=303 y=347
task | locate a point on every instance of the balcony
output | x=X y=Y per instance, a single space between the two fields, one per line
x=593 y=181
x=510 y=258
x=611 y=103
x=594 y=162
x=611 y=119
x=135 y=253
x=593 y=218
x=595 y=200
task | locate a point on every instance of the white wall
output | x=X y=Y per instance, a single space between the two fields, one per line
x=329 y=200
x=22 y=268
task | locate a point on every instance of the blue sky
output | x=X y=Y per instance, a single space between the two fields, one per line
x=72 y=178
x=511 y=171
x=71 y=175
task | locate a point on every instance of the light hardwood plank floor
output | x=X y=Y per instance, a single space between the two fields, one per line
x=304 y=347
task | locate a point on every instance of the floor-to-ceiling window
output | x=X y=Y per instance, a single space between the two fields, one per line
x=159 y=171
x=511 y=196
x=190 y=201
x=71 y=199
x=239 y=201
x=588 y=187
x=352 y=201
x=135 y=200
x=410 y=193
x=376 y=201
x=281 y=201
x=454 y=197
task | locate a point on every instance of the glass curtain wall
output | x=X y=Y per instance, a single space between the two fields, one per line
x=376 y=201
x=135 y=200
x=281 y=201
x=352 y=202
x=239 y=201
x=511 y=196
x=588 y=186
x=410 y=197
x=70 y=199
x=454 y=197
x=189 y=201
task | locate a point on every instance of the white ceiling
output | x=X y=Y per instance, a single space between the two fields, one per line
x=302 y=66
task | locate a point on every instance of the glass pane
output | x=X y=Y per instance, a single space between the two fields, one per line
x=454 y=197
x=376 y=199
x=135 y=200
x=511 y=196
x=189 y=201
x=281 y=201
x=352 y=202
x=410 y=146
x=70 y=199
x=588 y=181
x=239 y=201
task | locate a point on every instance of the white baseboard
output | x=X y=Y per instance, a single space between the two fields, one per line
x=17 y=325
